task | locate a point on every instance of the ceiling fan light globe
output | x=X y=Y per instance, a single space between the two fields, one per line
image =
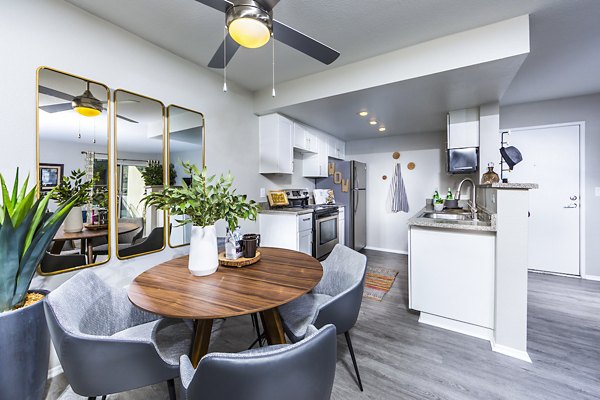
x=87 y=112
x=249 y=32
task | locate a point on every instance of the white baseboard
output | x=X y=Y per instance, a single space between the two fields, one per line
x=511 y=352
x=456 y=326
x=591 y=277
x=52 y=372
x=386 y=250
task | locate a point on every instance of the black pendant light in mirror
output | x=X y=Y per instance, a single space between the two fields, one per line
x=86 y=104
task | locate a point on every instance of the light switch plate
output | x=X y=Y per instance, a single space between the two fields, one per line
x=263 y=192
x=597 y=191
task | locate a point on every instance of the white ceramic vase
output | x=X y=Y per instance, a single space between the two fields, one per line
x=74 y=221
x=204 y=255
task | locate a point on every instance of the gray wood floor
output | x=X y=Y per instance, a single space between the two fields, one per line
x=402 y=359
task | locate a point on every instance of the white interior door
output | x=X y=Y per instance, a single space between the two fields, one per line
x=551 y=159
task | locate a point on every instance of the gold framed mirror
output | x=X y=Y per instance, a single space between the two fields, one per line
x=73 y=153
x=185 y=143
x=139 y=169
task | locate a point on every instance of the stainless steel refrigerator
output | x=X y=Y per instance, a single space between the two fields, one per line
x=354 y=200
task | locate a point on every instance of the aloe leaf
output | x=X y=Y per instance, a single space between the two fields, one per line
x=36 y=251
x=9 y=263
x=40 y=208
x=15 y=190
x=23 y=191
x=23 y=207
x=6 y=198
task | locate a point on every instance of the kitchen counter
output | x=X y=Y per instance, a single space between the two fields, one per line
x=510 y=185
x=294 y=211
x=487 y=223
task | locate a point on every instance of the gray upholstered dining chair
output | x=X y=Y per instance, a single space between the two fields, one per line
x=335 y=300
x=300 y=371
x=107 y=345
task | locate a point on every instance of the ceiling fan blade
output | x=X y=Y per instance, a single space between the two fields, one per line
x=54 y=108
x=304 y=44
x=127 y=119
x=219 y=5
x=54 y=93
x=217 y=59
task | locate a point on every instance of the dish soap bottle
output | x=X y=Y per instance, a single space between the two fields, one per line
x=490 y=176
x=449 y=195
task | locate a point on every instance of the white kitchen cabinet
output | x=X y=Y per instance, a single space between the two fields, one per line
x=286 y=230
x=341 y=225
x=463 y=128
x=276 y=153
x=315 y=165
x=451 y=274
x=304 y=139
x=336 y=148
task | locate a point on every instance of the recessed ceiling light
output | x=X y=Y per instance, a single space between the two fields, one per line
x=373 y=122
x=381 y=129
x=363 y=113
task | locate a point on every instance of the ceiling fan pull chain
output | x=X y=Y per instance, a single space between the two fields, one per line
x=94 y=140
x=79 y=131
x=273 y=47
x=225 y=61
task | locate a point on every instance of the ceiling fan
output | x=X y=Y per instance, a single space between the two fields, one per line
x=250 y=24
x=86 y=97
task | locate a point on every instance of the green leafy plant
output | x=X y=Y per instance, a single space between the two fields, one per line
x=205 y=201
x=100 y=196
x=26 y=230
x=74 y=187
x=153 y=174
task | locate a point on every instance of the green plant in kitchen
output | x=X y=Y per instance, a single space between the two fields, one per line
x=26 y=230
x=153 y=174
x=74 y=187
x=100 y=196
x=207 y=200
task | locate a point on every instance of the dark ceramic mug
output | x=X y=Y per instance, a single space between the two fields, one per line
x=250 y=242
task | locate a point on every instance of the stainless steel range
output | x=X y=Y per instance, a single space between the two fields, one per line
x=325 y=221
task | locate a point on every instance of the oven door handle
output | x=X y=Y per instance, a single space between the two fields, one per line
x=326 y=218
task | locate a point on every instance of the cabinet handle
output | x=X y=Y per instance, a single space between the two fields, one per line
x=305 y=219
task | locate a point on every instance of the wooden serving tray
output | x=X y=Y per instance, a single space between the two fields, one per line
x=95 y=227
x=240 y=262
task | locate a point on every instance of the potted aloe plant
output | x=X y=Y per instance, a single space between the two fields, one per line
x=205 y=201
x=74 y=187
x=26 y=230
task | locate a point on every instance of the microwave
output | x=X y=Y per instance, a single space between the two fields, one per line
x=463 y=161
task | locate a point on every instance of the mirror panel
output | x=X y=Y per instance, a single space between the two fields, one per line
x=139 y=170
x=70 y=140
x=185 y=144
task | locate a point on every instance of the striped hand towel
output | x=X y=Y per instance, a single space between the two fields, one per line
x=398 y=191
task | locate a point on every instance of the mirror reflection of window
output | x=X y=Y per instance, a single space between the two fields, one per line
x=73 y=134
x=139 y=135
x=186 y=144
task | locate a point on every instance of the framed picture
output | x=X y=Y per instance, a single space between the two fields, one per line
x=50 y=176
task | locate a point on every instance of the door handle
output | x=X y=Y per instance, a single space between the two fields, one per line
x=572 y=205
x=573 y=198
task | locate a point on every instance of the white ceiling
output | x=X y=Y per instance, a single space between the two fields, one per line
x=357 y=29
x=564 y=59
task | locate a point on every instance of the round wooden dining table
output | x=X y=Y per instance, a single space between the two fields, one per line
x=170 y=290
x=86 y=235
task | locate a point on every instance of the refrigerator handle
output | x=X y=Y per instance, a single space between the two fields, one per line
x=355 y=197
x=355 y=176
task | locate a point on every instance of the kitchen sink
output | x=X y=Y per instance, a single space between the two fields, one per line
x=447 y=216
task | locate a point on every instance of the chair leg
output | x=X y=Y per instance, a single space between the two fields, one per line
x=92 y=398
x=104 y=397
x=171 y=385
x=347 y=334
x=259 y=336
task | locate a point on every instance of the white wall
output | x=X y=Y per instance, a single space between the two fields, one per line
x=42 y=33
x=582 y=108
x=387 y=230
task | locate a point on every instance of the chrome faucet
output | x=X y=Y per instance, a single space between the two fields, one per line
x=473 y=205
